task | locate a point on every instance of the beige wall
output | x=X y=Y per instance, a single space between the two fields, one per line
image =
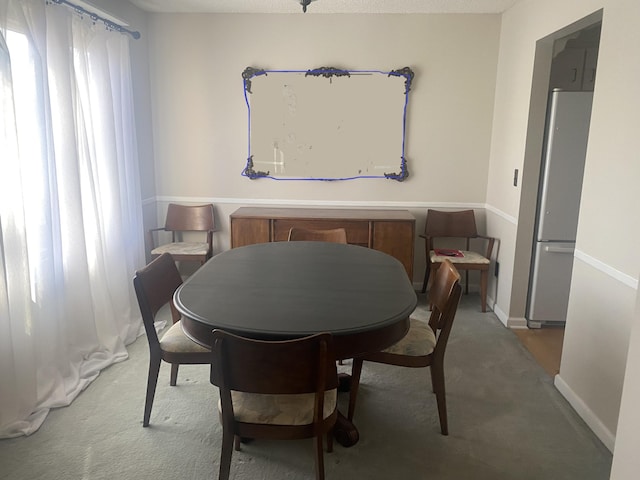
x=200 y=117
x=604 y=287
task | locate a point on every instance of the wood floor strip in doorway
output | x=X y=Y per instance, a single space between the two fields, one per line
x=545 y=344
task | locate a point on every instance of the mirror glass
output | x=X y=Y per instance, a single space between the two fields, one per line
x=326 y=124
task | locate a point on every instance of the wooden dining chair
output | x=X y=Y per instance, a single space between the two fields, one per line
x=183 y=219
x=460 y=225
x=154 y=286
x=336 y=235
x=274 y=389
x=425 y=344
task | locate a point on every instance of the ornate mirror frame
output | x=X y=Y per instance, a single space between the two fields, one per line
x=326 y=124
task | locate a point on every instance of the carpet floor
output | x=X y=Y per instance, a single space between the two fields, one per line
x=506 y=421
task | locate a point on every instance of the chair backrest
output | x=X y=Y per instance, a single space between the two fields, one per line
x=450 y=224
x=303 y=365
x=154 y=286
x=336 y=235
x=190 y=218
x=444 y=296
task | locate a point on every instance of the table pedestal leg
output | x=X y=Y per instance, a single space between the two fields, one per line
x=344 y=382
x=345 y=432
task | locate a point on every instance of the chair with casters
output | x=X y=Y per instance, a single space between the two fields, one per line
x=182 y=219
x=459 y=225
x=424 y=344
x=274 y=389
x=154 y=286
x=335 y=235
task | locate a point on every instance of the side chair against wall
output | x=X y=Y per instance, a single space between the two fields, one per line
x=425 y=344
x=336 y=235
x=457 y=225
x=154 y=286
x=181 y=219
x=274 y=389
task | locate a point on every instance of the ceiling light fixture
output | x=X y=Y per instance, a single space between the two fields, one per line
x=304 y=4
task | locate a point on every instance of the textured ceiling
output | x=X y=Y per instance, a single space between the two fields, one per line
x=325 y=6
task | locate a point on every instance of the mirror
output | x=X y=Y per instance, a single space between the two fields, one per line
x=326 y=124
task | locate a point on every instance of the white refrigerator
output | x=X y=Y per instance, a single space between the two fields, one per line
x=566 y=135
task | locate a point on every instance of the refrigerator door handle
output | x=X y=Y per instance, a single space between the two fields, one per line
x=559 y=249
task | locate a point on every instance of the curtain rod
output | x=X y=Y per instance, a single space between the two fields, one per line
x=96 y=17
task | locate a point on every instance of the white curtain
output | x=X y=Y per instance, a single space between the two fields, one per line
x=70 y=208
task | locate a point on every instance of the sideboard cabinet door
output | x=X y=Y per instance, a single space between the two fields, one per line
x=395 y=239
x=247 y=231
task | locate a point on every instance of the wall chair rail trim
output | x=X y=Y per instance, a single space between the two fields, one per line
x=311 y=203
x=627 y=280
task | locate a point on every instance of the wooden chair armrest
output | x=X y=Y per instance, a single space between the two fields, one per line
x=210 y=241
x=150 y=237
x=490 y=243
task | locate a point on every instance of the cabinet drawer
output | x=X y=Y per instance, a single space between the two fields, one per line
x=357 y=231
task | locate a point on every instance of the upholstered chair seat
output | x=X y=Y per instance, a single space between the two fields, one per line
x=419 y=340
x=269 y=409
x=174 y=340
x=182 y=248
x=468 y=257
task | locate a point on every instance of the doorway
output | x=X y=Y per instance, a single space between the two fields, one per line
x=566 y=59
x=567 y=122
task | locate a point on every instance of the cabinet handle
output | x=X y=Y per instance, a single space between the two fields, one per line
x=593 y=75
x=575 y=74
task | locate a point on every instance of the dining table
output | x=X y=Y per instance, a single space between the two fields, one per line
x=287 y=290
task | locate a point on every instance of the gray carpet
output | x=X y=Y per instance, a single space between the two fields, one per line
x=506 y=421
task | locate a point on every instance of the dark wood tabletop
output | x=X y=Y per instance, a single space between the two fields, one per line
x=284 y=290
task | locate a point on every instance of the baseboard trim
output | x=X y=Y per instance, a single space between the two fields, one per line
x=581 y=408
x=518 y=323
x=502 y=316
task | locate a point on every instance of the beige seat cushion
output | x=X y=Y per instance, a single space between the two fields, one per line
x=174 y=340
x=182 y=248
x=419 y=340
x=468 y=257
x=279 y=409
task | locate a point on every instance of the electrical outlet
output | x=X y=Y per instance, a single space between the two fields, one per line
x=497 y=269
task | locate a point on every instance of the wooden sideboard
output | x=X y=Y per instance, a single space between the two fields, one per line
x=389 y=231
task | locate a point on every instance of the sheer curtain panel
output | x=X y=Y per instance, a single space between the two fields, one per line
x=70 y=208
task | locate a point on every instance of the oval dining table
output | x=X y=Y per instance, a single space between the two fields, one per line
x=287 y=290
